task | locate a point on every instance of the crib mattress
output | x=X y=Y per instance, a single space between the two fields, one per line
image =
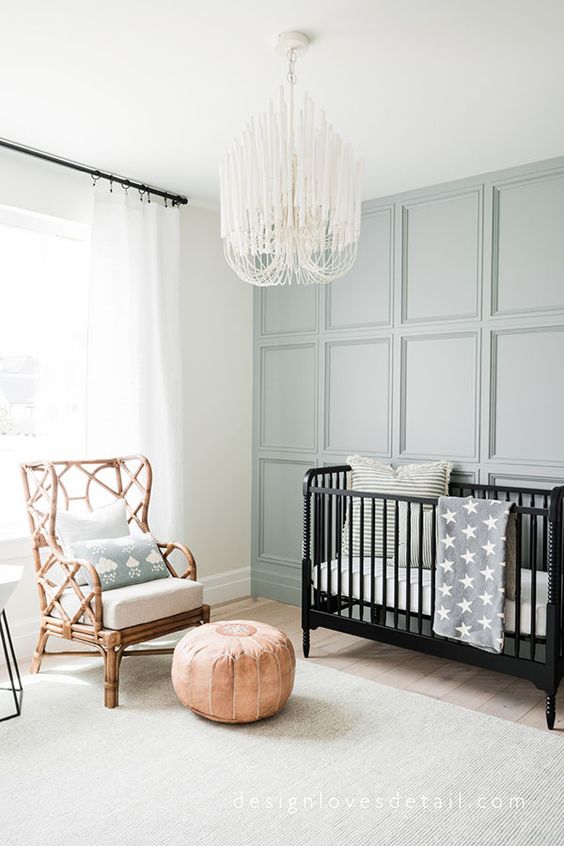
x=510 y=605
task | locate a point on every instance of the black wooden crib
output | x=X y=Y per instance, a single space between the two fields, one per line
x=376 y=598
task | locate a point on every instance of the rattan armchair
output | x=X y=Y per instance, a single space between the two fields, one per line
x=71 y=609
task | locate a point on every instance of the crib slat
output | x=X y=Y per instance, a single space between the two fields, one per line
x=361 y=562
x=350 y=591
x=372 y=556
x=533 y=564
x=518 y=555
x=384 y=557
x=433 y=563
x=329 y=551
x=326 y=502
x=339 y=544
x=396 y=562
x=408 y=571
x=420 y=583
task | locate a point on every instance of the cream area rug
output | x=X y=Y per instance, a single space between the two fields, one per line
x=347 y=761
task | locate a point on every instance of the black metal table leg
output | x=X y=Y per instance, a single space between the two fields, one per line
x=15 y=687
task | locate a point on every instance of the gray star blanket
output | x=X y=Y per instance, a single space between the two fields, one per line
x=471 y=571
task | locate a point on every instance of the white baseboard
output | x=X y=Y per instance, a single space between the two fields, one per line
x=224 y=587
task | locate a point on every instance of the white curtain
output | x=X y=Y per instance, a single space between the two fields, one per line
x=134 y=373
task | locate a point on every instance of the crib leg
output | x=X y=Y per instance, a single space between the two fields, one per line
x=550 y=710
x=305 y=636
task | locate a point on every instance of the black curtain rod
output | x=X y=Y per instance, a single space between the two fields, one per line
x=176 y=199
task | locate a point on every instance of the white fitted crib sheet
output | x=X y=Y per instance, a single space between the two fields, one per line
x=526 y=582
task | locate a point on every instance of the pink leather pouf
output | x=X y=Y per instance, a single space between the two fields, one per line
x=234 y=671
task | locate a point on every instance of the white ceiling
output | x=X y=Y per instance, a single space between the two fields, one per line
x=426 y=90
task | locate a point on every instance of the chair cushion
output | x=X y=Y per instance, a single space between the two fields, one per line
x=142 y=603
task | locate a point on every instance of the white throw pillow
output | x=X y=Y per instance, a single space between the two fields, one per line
x=107 y=522
x=421 y=480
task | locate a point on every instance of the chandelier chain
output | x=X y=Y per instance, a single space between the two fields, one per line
x=292 y=67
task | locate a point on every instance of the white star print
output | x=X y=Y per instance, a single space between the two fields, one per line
x=485 y=623
x=444 y=612
x=447 y=565
x=490 y=522
x=449 y=516
x=445 y=590
x=489 y=547
x=470 y=507
x=486 y=598
x=465 y=605
x=469 y=556
x=467 y=581
x=448 y=541
x=464 y=630
x=469 y=531
x=487 y=573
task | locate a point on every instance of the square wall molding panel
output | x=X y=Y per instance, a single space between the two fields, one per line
x=439 y=392
x=528 y=246
x=363 y=298
x=442 y=257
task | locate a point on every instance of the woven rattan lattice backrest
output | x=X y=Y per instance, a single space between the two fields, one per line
x=52 y=486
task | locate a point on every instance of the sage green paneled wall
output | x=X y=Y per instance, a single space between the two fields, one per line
x=445 y=340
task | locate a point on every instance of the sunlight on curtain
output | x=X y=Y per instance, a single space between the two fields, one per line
x=134 y=385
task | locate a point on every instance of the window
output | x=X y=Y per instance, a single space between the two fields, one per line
x=43 y=323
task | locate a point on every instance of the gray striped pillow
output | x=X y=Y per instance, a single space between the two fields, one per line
x=424 y=480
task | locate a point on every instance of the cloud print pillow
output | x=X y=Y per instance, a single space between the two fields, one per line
x=122 y=561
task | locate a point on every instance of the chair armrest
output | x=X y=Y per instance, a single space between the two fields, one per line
x=168 y=548
x=53 y=587
x=74 y=565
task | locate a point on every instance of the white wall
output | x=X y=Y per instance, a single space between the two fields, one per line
x=218 y=329
x=217 y=352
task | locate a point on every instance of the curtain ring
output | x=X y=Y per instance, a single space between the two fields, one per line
x=148 y=196
x=166 y=201
x=95 y=177
x=111 y=184
x=126 y=185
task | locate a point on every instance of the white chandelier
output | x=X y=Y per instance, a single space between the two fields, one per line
x=290 y=193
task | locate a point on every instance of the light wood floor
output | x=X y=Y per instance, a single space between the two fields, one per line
x=469 y=687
